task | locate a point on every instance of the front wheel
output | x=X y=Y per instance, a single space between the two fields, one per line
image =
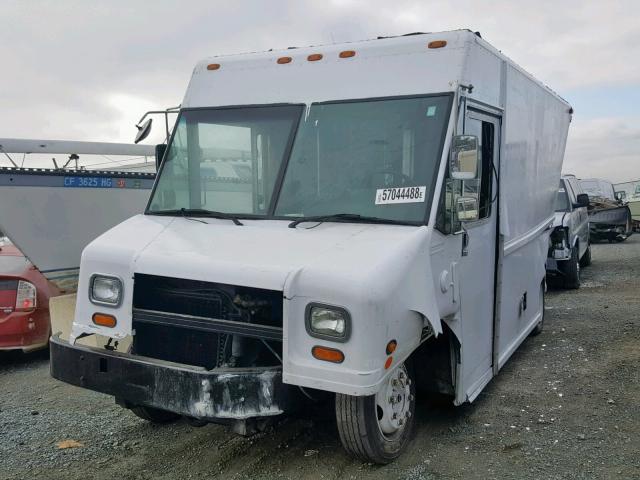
x=377 y=428
x=571 y=270
x=155 y=415
x=585 y=261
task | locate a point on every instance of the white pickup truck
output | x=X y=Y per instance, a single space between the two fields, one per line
x=385 y=229
x=570 y=246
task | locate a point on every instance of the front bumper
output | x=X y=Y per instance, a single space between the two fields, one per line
x=600 y=228
x=563 y=253
x=600 y=231
x=219 y=394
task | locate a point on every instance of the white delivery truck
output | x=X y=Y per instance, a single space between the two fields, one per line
x=384 y=231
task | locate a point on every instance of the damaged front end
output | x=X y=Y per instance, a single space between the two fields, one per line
x=610 y=224
x=208 y=351
x=212 y=395
x=559 y=250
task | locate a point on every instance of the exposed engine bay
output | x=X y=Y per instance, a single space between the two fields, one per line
x=206 y=324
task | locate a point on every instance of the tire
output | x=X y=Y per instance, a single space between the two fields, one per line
x=537 y=330
x=585 y=261
x=571 y=270
x=196 y=422
x=155 y=415
x=367 y=429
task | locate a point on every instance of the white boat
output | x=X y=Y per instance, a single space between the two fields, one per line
x=52 y=214
x=629 y=191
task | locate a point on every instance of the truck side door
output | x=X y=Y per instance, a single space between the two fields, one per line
x=478 y=266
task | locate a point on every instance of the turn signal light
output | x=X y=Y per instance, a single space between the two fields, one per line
x=213 y=66
x=104 y=320
x=283 y=60
x=437 y=44
x=388 y=363
x=347 y=54
x=328 y=354
x=391 y=347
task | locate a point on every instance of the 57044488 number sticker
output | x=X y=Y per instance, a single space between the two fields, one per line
x=400 y=195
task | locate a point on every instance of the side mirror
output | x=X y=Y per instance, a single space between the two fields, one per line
x=582 y=200
x=463 y=163
x=160 y=150
x=467 y=209
x=143 y=130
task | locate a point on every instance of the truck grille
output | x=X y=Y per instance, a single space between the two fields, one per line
x=205 y=324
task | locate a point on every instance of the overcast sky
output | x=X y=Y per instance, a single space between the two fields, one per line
x=87 y=70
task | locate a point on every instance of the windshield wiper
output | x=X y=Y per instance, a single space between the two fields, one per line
x=199 y=212
x=343 y=217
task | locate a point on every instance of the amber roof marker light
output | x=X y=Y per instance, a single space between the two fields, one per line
x=347 y=54
x=437 y=44
x=213 y=66
x=284 y=60
x=314 y=57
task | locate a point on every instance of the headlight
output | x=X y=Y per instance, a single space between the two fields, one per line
x=559 y=238
x=325 y=321
x=105 y=290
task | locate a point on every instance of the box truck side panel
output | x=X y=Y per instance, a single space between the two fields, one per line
x=535 y=133
x=483 y=69
x=534 y=136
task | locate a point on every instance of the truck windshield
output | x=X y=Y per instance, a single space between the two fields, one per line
x=371 y=158
x=225 y=160
x=598 y=188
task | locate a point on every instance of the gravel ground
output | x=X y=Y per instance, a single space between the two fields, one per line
x=565 y=406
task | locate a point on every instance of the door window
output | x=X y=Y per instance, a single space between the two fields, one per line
x=562 y=198
x=481 y=187
x=570 y=191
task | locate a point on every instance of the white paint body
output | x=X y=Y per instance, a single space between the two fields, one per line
x=394 y=280
x=575 y=220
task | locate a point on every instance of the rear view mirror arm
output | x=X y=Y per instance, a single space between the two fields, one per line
x=166 y=118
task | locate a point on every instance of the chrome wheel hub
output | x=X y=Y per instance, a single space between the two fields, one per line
x=393 y=402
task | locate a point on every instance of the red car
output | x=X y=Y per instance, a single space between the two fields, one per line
x=24 y=302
